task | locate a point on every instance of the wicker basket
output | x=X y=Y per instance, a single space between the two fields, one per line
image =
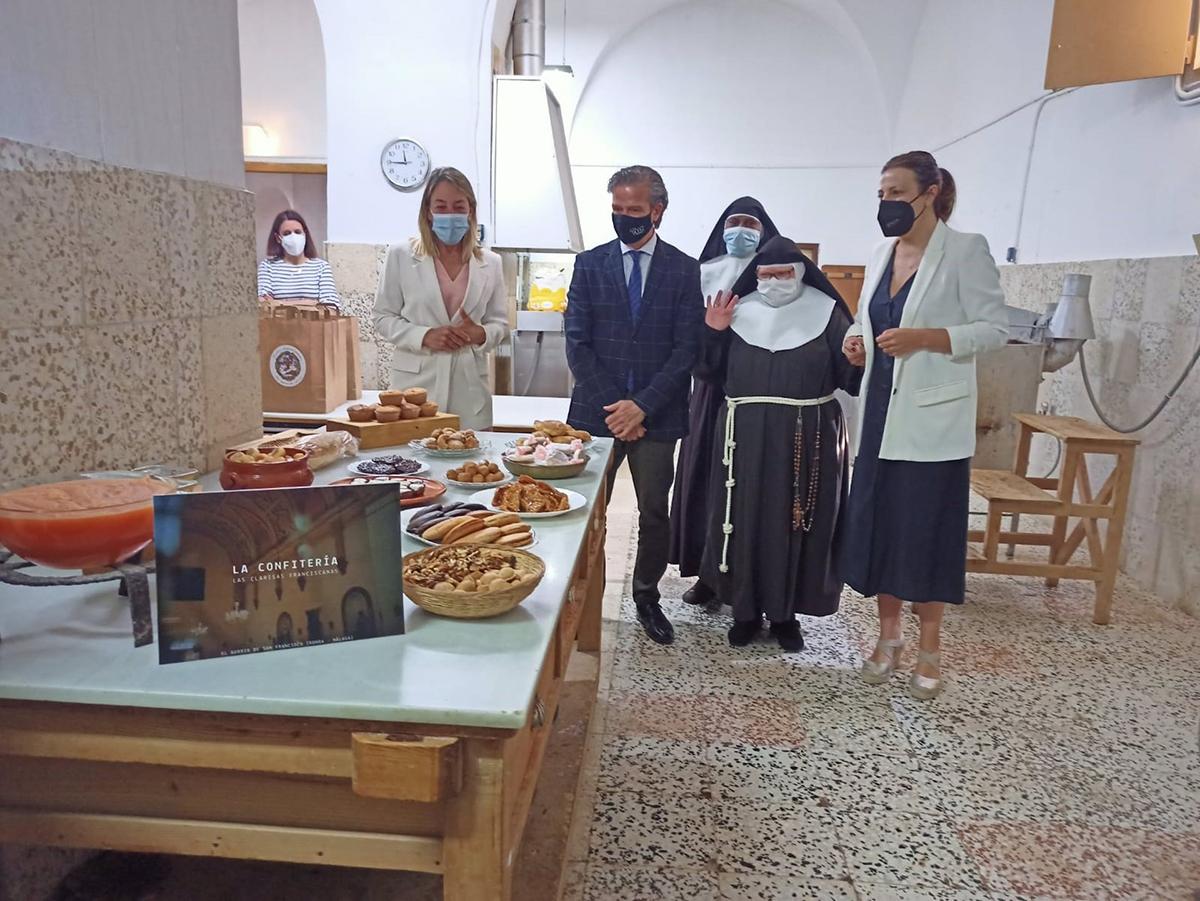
x=475 y=605
x=545 y=472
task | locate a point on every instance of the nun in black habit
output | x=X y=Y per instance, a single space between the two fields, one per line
x=735 y=238
x=780 y=461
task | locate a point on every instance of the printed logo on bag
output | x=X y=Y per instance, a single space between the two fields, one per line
x=288 y=366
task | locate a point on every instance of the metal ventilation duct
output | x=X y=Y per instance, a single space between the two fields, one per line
x=529 y=37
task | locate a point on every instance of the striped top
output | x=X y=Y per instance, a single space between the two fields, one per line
x=311 y=280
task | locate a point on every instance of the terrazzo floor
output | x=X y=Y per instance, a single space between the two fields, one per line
x=1060 y=764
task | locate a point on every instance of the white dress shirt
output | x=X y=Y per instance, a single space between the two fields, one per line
x=647 y=253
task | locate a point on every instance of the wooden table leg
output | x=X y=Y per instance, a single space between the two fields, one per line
x=595 y=577
x=476 y=862
x=1066 y=494
x=1102 y=613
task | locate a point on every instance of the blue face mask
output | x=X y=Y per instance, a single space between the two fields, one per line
x=450 y=227
x=741 y=241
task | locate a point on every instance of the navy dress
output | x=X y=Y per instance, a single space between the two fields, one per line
x=906 y=522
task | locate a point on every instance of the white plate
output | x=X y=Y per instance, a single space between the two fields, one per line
x=353 y=467
x=508 y=479
x=418 y=444
x=407 y=515
x=577 y=501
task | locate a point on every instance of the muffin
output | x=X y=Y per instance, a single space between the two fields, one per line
x=409 y=411
x=391 y=398
x=416 y=396
x=387 y=413
x=361 y=413
x=428 y=410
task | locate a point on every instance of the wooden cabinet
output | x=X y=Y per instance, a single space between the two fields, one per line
x=1101 y=41
x=849 y=282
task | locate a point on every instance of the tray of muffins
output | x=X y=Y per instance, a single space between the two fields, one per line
x=399 y=418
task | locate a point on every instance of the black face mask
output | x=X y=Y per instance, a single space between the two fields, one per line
x=632 y=229
x=896 y=217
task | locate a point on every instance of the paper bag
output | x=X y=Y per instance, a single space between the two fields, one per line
x=302 y=351
x=353 y=361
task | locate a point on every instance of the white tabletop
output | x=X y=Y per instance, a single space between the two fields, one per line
x=508 y=412
x=75 y=645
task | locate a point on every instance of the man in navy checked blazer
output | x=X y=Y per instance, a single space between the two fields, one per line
x=633 y=321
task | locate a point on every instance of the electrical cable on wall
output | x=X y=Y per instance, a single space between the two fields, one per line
x=1087 y=384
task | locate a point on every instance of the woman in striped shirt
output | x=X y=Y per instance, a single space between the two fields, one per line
x=292 y=272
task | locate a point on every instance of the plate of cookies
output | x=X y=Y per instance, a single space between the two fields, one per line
x=413 y=491
x=449 y=442
x=467 y=524
x=477 y=475
x=388 y=465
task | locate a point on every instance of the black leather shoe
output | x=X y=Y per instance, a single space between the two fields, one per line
x=655 y=623
x=788 y=635
x=743 y=633
x=698 y=595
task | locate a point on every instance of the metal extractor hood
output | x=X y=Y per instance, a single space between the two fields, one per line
x=533 y=193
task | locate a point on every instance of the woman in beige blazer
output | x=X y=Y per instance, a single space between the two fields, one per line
x=931 y=303
x=441 y=302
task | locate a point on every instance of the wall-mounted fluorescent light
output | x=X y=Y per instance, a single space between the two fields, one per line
x=257 y=141
x=560 y=80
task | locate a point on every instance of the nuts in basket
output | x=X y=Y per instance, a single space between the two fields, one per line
x=467 y=570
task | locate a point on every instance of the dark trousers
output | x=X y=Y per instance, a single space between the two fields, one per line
x=652 y=464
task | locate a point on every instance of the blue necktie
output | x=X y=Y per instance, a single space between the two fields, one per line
x=635 y=294
x=635 y=283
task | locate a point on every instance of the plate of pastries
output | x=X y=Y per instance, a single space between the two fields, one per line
x=450 y=443
x=394 y=406
x=555 y=432
x=468 y=524
x=477 y=474
x=530 y=499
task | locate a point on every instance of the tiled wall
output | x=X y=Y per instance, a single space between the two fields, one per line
x=1147 y=314
x=128 y=324
x=356 y=269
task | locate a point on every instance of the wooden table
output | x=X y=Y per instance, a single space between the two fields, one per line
x=416 y=752
x=1068 y=497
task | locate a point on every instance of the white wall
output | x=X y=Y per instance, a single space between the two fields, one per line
x=799 y=121
x=148 y=84
x=418 y=68
x=283 y=75
x=1113 y=171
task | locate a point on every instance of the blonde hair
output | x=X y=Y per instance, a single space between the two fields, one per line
x=425 y=245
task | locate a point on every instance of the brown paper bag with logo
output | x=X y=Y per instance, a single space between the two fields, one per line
x=353 y=360
x=302 y=351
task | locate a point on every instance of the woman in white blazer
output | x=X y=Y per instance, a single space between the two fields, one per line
x=441 y=302
x=931 y=303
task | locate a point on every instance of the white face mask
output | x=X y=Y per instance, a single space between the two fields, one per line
x=778 y=292
x=293 y=244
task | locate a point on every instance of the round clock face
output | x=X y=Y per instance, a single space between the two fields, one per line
x=405 y=164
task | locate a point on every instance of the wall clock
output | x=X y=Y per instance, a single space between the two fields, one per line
x=405 y=164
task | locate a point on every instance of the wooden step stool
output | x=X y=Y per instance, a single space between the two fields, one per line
x=1065 y=498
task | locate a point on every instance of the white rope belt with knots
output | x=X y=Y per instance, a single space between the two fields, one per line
x=732 y=404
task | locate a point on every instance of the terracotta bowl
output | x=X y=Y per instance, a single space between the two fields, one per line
x=293 y=472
